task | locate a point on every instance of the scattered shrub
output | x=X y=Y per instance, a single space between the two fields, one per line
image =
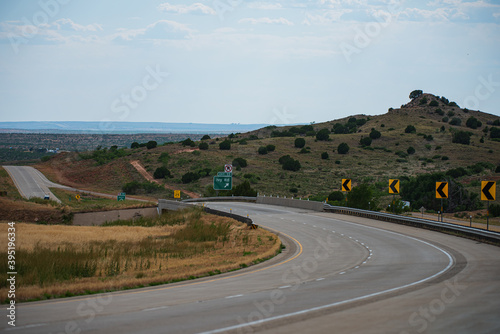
x=203 y=146
x=416 y=93
x=410 y=129
x=473 y=123
x=134 y=145
x=343 y=148
x=151 y=144
x=161 y=173
x=461 y=137
x=456 y=121
x=494 y=132
x=374 y=134
x=324 y=155
x=434 y=103
x=270 y=148
x=262 y=150
x=288 y=163
x=188 y=142
x=365 y=141
x=336 y=196
x=300 y=142
x=495 y=210
x=240 y=162
x=411 y=150
x=225 y=145
x=190 y=177
x=323 y=134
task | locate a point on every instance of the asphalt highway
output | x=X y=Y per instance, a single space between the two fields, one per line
x=337 y=274
x=32 y=183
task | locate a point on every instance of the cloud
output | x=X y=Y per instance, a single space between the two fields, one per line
x=68 y=24
x=325 y=17
x=163 y=29
x=264 y=5
x=266 y=20
x=187 y=9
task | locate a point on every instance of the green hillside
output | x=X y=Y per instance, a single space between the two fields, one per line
x=394 y=152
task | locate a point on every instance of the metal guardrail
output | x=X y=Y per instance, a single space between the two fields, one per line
x=470 y=232
x=222 y=199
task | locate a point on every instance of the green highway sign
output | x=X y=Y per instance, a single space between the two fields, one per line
x=223 y=183
x=121 y=197
x=225 y=174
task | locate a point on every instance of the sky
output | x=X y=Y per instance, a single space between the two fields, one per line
x=236 y=61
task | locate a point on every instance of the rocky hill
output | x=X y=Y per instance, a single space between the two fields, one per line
x=426 y=135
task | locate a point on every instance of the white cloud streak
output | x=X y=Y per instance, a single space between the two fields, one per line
x=187 y=9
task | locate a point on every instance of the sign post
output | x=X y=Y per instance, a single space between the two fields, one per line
x=488 y=193
x=441 y=192
x=346 y=186
x=393 y=189
x=224 y=180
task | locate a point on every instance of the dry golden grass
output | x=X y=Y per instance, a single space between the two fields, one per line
x=139 y=253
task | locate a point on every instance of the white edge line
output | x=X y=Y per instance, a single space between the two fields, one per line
x=23 y=327
x=235 y=296
x=319 y=308
x=154 y=308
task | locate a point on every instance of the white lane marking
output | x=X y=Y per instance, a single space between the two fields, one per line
x=154 y=308
x=320 y=279
x=235 y=296
x=24 y=327
x=342 y=273
x=318 y=308
x=356 y=267
x=285 y=287
x=314 y=225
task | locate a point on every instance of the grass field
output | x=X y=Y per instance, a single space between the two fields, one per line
x=88 y=202
x=57 y=261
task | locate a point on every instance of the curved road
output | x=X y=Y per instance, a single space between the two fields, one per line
x=338 y=274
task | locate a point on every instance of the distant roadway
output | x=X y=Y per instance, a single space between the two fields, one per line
x=337 y=274
x=32 y=183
